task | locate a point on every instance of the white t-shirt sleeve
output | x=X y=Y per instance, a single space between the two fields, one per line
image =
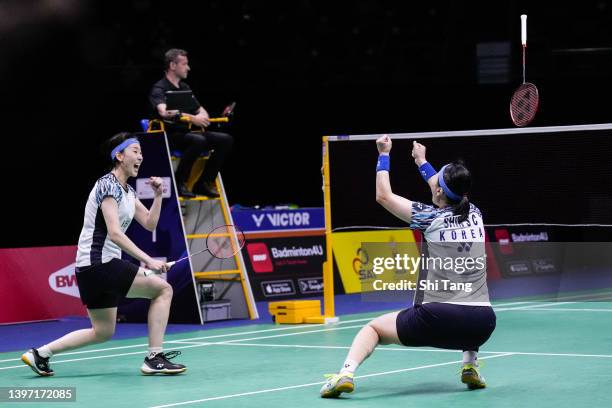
x=108 y=188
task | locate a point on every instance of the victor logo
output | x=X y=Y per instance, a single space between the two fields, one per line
x=283 y=219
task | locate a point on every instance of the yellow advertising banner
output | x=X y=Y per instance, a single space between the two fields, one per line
x=356 y=263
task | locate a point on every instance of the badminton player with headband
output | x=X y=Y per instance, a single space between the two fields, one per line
x=449 y=319
x=103 y=278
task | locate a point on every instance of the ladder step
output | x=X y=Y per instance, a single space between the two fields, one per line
x=215 y=273
x=220 y=278
x=197 y=236
x=198 y=198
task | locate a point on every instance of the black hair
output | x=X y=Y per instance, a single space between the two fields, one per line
x=110 y=144
x=172 y=56
x=459 y=180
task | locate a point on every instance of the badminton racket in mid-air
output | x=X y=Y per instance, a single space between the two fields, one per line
x=526 y=99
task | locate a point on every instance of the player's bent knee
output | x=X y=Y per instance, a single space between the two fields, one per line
x=103 y=334
x=384 y=327
x=166 y=291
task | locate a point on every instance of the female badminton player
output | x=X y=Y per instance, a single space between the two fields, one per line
x=103 y=278
x=449 y=319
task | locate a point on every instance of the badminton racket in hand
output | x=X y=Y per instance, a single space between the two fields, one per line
x=526 y=99
x=222 y=242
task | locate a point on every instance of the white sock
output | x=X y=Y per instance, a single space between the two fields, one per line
x=470 y=357
x=349 y=366
x=153 y=351
x=45 y=352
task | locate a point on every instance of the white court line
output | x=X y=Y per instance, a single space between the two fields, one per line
x=187 y=342
x=597 y=296
x=606 y=295
x=403 y=370
x=547 y=304
x=292 y=334
x=193 y=344
x=413 y=349
x=293 y=327
x=521 y=353
x=560 y=309
x=301 y=326
x=512 y=304
x=538 y=305
x=247 y=339
x=98 y=357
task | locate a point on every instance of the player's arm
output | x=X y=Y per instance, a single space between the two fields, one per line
x=110 y=210
x=397 y=205
x=149 y=218
x=418 y=152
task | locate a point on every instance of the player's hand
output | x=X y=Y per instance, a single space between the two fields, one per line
x=383 y=144
x=157 y=266
x=171 y=114
x=157 y=185
x=418 y=153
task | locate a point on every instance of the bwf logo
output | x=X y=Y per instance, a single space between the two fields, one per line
x=260 y=257
x=64 y=281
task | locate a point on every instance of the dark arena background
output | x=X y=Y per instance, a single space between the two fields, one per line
x=311 y=77
x=77 y=72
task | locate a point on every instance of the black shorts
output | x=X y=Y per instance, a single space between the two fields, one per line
x=106 y=284
x=444 y=325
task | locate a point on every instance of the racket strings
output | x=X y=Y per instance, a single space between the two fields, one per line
x=225 y=241
x=524 y=104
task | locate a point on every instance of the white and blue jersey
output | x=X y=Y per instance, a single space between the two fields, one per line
x=440 y=225
x=449 y=244
x=95 y=246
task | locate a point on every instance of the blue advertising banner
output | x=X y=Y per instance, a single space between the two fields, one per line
x=254 y=220
x=167 y=242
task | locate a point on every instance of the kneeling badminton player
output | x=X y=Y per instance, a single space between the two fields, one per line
x=103 y=278
x=448 y=319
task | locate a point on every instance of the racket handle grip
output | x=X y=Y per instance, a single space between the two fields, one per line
x=524 y=29
x=170 y=264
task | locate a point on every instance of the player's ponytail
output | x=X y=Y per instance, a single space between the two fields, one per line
x=462 y=209
x=458 y=179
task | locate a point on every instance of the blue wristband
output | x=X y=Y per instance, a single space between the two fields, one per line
x=384 y=163
x=427 y=171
